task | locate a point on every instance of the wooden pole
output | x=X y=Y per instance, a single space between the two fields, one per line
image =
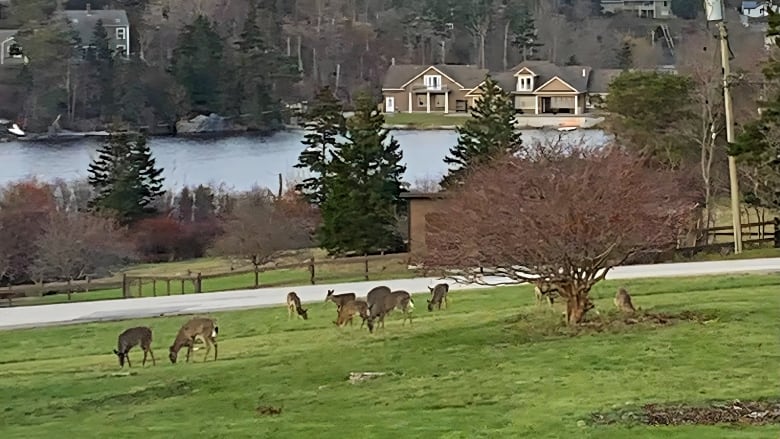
x=365 y=260
x=124 y=285
x=182 y=286
x=312 y=271
x=199 y=283
x=89 y=280
x=168 y=286
x=257 y=276
x=70 y=289
x=140 y=287
x=154 y=287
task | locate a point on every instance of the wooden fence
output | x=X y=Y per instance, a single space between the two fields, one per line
x=311 y=271
x=757 y=234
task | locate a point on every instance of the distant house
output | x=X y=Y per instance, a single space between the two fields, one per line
x=642 y=8
x=424 y=89
x=10 y=52
x=537 y=87
x=114 y=20
x=757 y=9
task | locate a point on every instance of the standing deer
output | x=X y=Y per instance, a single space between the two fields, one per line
x=623 y=301
x=197 y=327
x=294 y=304
x=388 y=302
x=140 y=335
x=349 y=309
x=375 y=295
x=438 y=295
x=544 y=289
x=339 y=299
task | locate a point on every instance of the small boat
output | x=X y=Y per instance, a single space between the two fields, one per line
x=15 y=130
x=567 y=128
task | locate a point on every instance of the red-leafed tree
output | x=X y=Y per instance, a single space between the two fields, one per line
x=567 y=216
x=166 y=239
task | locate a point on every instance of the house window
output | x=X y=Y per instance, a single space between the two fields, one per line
x=120 y=33
x=525 y=83
x=432 y=82
x=120 y=49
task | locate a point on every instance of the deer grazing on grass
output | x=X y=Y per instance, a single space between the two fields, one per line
x=294 y=305
x=339 y=299
x=545 y=290
x=140 y=335
x=438 y=295
x=198 y=327
x=623 y=302
x=388 y=302
x=348 y=311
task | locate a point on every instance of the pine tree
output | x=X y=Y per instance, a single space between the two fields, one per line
x=324 y=123
x=625 y=55
x=524 y=34
x=125 y=178
x=101 y=60
x=489 y=133
x=195 y=64
x=572 y=61
x=204 y=203
x=185 y=205
x=359 y=212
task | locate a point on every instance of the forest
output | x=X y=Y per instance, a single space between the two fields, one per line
x=249 y=60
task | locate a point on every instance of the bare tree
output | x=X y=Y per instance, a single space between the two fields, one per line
x=258 y=230
x=74 y=245
x=565 y=215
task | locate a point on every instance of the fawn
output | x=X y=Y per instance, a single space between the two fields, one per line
x=439 y=295
x=140 y=335
x=623 y=301
x=339 y=299
x=388 y=302
x=197 y=327
x=545 y=290
x=294 y=304
x=349 y=309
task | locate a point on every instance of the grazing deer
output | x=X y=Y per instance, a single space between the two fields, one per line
x=339 y=299
x=349 y=309
x=544 y=289
x=294 y=304
x=438 y=295
x=197 y=327
x=623 y=301
x=140 y=335
x=376 y=294
x=388 y=302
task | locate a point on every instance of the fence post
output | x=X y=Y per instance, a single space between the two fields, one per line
x=257 y=276
x=168 y=286
x=89 y=279
x=365 y=260
x=124 y=285
x=777 y=232
x=182 y=285
x=311 y=271
x=154 y=287
x=70 y=289
x=199 y=283
x=140 y=287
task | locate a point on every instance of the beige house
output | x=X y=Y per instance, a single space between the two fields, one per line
x=438 y=88
x=642 y=8
x=538 y=88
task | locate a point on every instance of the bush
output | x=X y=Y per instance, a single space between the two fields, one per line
x=163 y=239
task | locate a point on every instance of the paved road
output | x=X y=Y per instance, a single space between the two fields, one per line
x=67 y=313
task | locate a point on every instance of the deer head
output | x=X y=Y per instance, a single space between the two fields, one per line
x=330 y=293
x=121 y=356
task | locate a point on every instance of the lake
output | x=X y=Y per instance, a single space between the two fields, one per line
x=239 y=162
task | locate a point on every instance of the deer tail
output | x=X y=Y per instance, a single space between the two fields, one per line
x=215 y=331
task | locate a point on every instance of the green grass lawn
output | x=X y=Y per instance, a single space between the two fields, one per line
x=492 y=366
x=426 y=120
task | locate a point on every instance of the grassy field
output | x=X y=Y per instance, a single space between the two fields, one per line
x=426 y=120
x=493 y=365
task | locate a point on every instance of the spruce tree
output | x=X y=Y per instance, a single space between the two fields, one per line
x=359 y=212
x=196 y=64
x=125 y=178
x=324 y=123
x=101 y=60
x=625 y=55
x=490 y=132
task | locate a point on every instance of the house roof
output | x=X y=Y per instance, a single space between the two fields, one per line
x=5 y=2
x=466 y=75
x=575 y=76
x=415 y=195
x=601 y=78
x=7 y=33
x=84 y=22
x=750 y=5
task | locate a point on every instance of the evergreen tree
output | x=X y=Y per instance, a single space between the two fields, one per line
x=359 y=212
x=573 y=61
x=523 y=28
x=204 y=203
x=125 y=178
x=324 y=123
x=197 y=64
x=101 y=60
x=489 y=133
x=624 y=57
x=185 y=205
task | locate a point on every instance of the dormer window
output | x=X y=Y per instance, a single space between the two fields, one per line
x=525 y=83
x=120 y=33
x=432 y=82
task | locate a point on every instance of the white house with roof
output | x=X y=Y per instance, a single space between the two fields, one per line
x=757 y=9
x=114 y=21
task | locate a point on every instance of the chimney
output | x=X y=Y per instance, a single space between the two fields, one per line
x=89 y=9
x=583 y=72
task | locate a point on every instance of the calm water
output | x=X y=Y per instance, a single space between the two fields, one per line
x=238 y=162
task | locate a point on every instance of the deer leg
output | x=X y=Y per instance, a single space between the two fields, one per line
x=289 y=312
x=189 y=349
x=143 y=363
x=214 y=341
x=154 y=362
x=127 y=357
x=207 y=342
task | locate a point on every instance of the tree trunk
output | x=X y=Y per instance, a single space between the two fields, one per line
x=506 y=45
x=482 y=50
x=577 y=303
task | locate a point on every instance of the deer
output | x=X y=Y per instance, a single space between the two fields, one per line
x=388 y=302
x=197 y=327
x=375 y=294
x=438 y=295
x=623 y=302
x=140 y=335
x=294 y=304
x=544 y=289
x=339 y=299
x=349 y=309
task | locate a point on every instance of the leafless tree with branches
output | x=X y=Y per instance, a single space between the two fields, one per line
x=565 y=215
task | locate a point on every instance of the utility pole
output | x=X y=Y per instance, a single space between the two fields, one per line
x=714 y=11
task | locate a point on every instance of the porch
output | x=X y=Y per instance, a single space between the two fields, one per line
x=549 y=104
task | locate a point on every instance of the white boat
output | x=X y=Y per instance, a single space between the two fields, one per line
x=15 y=130
x=569 y=128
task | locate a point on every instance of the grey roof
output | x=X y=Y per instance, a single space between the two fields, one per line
x=7 y=33
x=84 y=23
x=601 y=78
x=545 y=71
x=466 y=75
x=5 y=2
